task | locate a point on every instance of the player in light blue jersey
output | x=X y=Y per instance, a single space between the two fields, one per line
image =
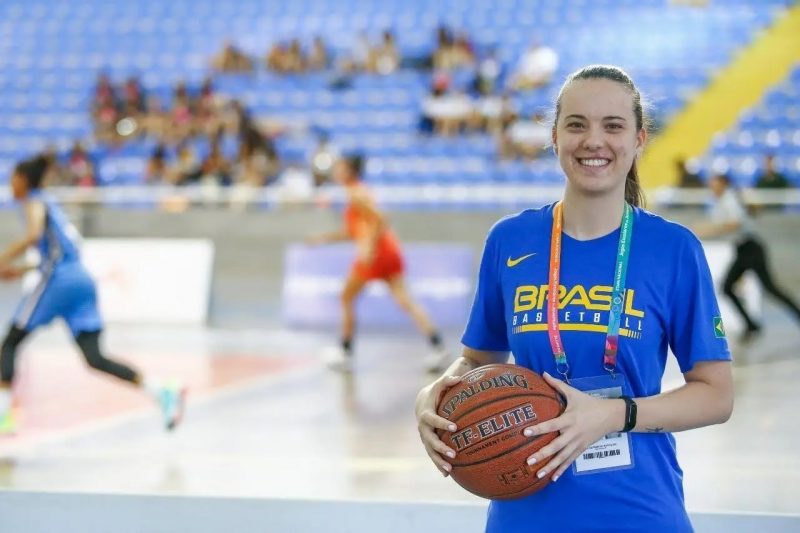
x=64 y=290
x=592 y=292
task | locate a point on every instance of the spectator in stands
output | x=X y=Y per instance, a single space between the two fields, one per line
x=535 y=69
x=55 y=175
x=215 y=170
x=295 y=59
x=182 y=113
x=686 y=177
x=276 y=57
x=207 y=109
x=105 y=118
x=492 y=112
x=771 y=178
x=80 y=167
x=103 y=90
x=231 y=59
x=156 y=121
x=445 y=112
x=322 y=160
x=487 y=74
x=185 y=168
x=258 y=163
x=463 y=51
x=318 y=58
x=385 y=58
x=133 y=95
x=525 y=138
x=156 y=170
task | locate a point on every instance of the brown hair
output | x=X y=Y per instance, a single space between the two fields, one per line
x=633 y=189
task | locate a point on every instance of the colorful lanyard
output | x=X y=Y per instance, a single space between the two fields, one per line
x=617 y=293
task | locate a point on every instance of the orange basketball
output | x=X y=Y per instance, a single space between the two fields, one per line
x=491 y=406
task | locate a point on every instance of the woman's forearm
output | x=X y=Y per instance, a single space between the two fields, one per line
x=694 y=405
x=15 y=250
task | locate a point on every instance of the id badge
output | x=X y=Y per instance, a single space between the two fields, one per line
x=612 y=452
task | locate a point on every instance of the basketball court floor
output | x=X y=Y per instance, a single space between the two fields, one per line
x=265 y=419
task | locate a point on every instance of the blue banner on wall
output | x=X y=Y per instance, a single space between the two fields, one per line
x=439 y=276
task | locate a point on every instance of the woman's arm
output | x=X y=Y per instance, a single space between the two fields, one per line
x=35 y=223
x=705 y=399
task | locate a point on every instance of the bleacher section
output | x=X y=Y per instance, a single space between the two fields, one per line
x=50 y=53
x=771 y=127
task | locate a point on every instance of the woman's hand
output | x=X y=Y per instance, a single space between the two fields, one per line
x=428 y=422
x=585 y=420
x=11 y=273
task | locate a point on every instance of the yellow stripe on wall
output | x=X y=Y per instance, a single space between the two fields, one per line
x=740 y=85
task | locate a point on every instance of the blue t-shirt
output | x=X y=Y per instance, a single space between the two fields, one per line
x=669 y=303
x=58 y=244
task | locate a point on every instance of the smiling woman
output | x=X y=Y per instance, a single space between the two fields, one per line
x=575 y=316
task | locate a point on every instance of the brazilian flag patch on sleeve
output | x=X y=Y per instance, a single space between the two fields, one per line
x=719 y=328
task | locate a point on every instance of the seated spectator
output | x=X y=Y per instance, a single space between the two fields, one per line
x=444 y=112
x=385 y=58
x=207 y=109
x=525 y=138
x=156 y=121
x=258 y=163
x=493 y=113
x=106 y=116
x=103 y=91
x=487 y=74
x=686 y=177
x=133 y=96
x=56 y=175
x=771 y=178
x=182 y=113
x=318 y=58
x=215 y=169
x=80 y=167
x=451 y=52
x=295 y=59
x=185 y=169
x=156 y=170
x=231 y=59
x=535 y=69
x=286 y=59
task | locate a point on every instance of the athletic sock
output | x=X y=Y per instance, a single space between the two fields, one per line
x=5 y=401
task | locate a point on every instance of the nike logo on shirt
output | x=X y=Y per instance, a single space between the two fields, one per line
x=514 y=262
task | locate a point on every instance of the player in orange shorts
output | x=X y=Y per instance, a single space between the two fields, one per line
x=378 y=258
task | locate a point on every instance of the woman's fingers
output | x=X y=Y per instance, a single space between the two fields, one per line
x=431 y=419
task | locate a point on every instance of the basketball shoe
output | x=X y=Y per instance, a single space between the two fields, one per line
x=172 y=400
x=338 y=359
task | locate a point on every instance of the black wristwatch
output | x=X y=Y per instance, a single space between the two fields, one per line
x=630 y=413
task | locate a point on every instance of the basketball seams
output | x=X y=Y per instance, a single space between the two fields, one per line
x=510 y=396
x=506 y=451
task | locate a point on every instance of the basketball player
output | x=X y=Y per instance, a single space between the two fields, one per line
x=591 y=292
x=379 y=258
x=65 y=290
x=729 y=219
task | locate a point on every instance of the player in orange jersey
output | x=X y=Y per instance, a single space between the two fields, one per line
x=378 y=258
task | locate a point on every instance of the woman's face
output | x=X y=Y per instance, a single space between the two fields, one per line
x=19 y=186
x=342 y=174
x=596 y=138
x=717 y=186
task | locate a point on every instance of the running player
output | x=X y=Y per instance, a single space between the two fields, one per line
x=594 y=290
x=378 y=258
x=729 y=219
x=65 y=290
